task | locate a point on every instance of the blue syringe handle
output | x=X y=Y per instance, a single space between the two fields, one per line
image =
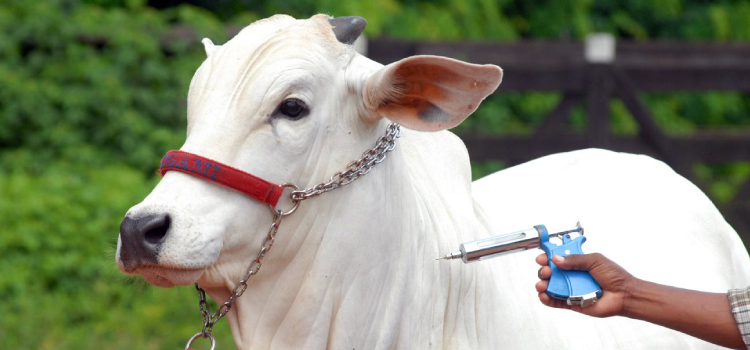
x=567 y=283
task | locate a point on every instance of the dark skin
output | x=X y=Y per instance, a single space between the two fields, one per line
x=703 y=315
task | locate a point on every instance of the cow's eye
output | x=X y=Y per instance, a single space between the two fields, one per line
x=293 y=108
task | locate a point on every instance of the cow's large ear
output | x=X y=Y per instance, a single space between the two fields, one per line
x=429 y=93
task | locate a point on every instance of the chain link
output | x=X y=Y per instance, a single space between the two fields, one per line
x=209 y=320
x=357 y=168
x=354 y=170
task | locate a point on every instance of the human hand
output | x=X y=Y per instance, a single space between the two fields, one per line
x=617 y=284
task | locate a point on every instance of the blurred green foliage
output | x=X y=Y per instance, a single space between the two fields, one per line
x=60 y=284
x=122 y=94
x=92 y=93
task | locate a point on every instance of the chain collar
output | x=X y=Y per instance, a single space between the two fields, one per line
x=357 y=168
x=354 y=170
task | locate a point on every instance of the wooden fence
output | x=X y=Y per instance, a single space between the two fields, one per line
x=582 y=77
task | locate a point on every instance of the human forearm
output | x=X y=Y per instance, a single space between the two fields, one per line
x=707 y=316
x=703 y=315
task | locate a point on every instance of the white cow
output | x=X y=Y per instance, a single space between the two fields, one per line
x=290 y=101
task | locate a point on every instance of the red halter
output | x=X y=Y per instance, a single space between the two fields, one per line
x=211 y=170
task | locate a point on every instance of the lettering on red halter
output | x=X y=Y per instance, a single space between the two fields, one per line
x=199 y=167
x=207 y=169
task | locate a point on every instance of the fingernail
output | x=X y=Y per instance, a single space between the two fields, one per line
x=558 y=259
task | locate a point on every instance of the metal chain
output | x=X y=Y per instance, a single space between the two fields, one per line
x=357 y=168
x=209 y=320
x=354 y=170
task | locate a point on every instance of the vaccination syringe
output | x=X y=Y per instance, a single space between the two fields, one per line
x=576 y=287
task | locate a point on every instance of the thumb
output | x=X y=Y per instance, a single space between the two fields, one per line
x=584 y=262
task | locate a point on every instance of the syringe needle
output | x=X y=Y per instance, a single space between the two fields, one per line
x=454 y=255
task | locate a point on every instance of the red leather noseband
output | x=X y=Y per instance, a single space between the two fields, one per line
x=211 y=170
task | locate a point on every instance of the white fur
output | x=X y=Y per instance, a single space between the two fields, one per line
x=355 y=268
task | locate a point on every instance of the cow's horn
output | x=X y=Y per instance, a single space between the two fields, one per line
x=347 y=29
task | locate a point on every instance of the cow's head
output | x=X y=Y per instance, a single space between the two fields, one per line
x=289 y=101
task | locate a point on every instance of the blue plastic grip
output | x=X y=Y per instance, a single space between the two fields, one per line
x=566 y=283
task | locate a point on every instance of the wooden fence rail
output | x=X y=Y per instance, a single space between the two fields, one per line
x=634 y=67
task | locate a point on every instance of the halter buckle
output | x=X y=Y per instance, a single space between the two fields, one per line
x=295 y=200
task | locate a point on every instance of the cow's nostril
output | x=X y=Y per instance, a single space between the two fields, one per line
x=156 y=229
x=141 y=239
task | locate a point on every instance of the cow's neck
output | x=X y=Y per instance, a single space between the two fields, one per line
x=356 y=266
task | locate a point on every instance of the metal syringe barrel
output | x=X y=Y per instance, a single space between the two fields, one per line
x=491 y=247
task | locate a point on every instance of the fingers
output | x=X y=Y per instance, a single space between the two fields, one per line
x=583 y=262
x=541 y=286
x=546 y=300
x=586 y=262
x=542 y=259
x=562 y=304
x=544 y=273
